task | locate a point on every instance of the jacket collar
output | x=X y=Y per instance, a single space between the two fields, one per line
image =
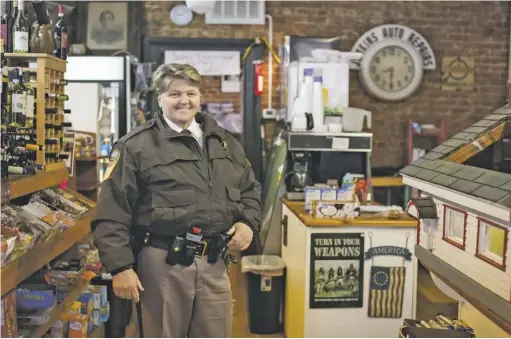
x=208 y=124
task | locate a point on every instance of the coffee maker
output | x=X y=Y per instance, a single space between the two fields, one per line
x=315 y=157
x=299 y=176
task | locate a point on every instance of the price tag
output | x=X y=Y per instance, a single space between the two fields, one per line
x=340 y=143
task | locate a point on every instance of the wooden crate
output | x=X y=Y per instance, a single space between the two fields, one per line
x=49 y=70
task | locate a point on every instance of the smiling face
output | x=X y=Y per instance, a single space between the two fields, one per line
x=180 y=102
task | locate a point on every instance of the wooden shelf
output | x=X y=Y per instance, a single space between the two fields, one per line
x=91 y=158
x=386 y=181
x=31 y=56
x=20 y=269
x=27 y=184
x=60 y=309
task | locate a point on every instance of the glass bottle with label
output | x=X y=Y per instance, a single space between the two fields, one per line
x=21 y=30
x=7 y=21
x=5 y=86
x=60 y=36
x=17 y=99
x=30 y=100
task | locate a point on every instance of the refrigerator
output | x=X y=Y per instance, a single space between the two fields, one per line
x=99 y=92
x=99 y=100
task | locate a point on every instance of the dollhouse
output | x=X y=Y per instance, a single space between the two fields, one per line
x=464 y=214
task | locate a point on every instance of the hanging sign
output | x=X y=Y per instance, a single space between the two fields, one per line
x=336 y=270
x=387 y=284
x=389 y=250
x=400 y=32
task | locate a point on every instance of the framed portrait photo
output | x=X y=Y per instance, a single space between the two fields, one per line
x=107 y=25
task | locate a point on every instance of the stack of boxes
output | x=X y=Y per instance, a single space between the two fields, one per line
x=88 y=312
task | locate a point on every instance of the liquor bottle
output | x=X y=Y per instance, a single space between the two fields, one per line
x=60 y=97
x=21 y=30
x=60 y=36
x=17 y=99
x=8 y=21
x=30 y=100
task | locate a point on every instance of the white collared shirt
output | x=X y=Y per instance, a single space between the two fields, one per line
x=194 y=128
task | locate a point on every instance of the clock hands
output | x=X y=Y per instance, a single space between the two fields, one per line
x=390 y=70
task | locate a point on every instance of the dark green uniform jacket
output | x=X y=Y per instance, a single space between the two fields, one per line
x=164 y=181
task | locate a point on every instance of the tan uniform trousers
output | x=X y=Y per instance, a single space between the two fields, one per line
x=179 y=301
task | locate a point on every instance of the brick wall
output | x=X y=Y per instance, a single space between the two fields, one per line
x=472 y=29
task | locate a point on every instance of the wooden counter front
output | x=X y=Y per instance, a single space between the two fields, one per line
x=299 y=210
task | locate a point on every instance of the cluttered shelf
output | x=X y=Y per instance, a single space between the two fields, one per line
x=26 y=184
x=400 y=220
x=56 y=314
x=21 y=268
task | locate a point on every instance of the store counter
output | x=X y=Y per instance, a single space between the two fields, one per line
x=347 y=277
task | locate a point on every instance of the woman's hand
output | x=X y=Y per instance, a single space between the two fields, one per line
x=242 y=237
x=126 y=285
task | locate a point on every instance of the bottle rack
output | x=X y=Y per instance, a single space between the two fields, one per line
x=49 y=112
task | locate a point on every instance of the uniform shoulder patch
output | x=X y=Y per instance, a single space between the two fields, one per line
x=114 y=159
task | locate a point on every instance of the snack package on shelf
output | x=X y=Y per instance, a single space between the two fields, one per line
x=50 y=214
x=89 y=254
x=77 y=199
x=61 y=202
x=11 y=229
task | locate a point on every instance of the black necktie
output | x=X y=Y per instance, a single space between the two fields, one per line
x=186 y=132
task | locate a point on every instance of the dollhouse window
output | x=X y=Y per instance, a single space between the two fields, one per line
x=492 y=243
x=455 y=222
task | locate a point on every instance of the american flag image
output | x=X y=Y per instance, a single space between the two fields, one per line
x=386 y=292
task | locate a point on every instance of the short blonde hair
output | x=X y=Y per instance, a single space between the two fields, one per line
x=164 y=75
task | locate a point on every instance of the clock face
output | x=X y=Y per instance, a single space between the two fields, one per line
x=392 y=69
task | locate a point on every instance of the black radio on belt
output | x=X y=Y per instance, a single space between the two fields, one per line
x=193 y=246
x=218 y=247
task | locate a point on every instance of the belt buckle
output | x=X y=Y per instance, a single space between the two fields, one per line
x=200 y=252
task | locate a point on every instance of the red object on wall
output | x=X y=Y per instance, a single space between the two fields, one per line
x=259 y=79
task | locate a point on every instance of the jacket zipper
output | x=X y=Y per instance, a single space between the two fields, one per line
x=204 y=159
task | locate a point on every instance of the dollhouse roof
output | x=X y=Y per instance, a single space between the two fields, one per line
x=444 y=167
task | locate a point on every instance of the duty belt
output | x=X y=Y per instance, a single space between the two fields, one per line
x=162 y=242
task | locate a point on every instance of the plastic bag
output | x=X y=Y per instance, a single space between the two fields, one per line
x=267 y=265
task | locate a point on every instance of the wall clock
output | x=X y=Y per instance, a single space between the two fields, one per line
x=181 y=15
x=391 y=70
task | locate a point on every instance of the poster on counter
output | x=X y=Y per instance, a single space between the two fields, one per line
x=337 y=270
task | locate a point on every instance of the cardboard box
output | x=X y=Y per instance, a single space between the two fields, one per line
x=35 y=296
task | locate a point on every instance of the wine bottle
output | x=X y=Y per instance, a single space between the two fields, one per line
x=67 y=111
x=24 y=98
x=60 y=36
x=21 y=30
x=60 y=82
x=17 y=99
x=7 y=29
x=60 y=97
x=41 y=12
x=5 y=86
x=30 y=100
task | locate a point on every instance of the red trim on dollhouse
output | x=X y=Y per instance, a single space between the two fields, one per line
x=506 y=238
x=418 y=221
x=452 y=242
